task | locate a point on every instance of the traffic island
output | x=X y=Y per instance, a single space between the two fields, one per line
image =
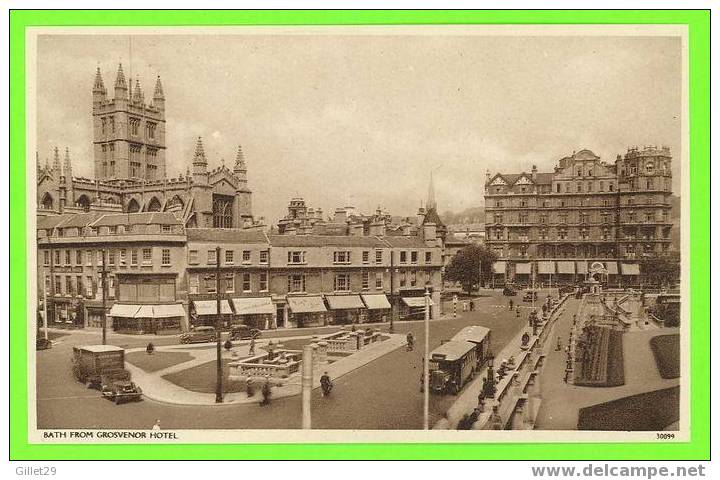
x=193 y=382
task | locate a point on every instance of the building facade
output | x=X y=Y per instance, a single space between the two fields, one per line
x=548 y=227
x=130 y=163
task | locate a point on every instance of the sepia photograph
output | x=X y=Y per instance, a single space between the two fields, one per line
x=321 y=234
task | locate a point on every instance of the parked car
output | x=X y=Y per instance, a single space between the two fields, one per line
x=42 y=343
x=530 y=296
x=244 y=332
x=117 y=386
x=199 y=335
x=509 y=291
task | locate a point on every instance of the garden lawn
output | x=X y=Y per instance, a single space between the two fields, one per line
x=644 y=412
x=158 y=360
x=666 y=349
x=201 y=378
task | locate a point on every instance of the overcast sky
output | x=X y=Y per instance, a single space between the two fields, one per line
x=362 y=120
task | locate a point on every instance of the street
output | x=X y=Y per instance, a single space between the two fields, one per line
x=384 y=394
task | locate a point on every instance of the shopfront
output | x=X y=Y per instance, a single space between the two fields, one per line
x=414 y=308
x=346 y=309
x=378 y=307
x=307 y=311
x=566 y=272
x=151 y=319
x=546 y=273
x=523 y=272
x=258 y=312
x=630 y=274
x=499 y=272
x=204 y=313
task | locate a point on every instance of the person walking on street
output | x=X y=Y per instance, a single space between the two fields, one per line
x=252 y=346
x=266 y=391
x=510 y=303
x=325 y=384
x=410 y=342
x=249 y=387
x=558 y=347
x=157 y=425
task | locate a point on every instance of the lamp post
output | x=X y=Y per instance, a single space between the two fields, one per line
x=426 y=363
x=103 y=280
x=218 y=327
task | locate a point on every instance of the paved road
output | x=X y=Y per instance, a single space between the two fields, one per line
x=384 y=394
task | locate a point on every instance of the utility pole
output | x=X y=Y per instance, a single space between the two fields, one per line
x=392 y=292
x=426 y=364
x=218 y=328
x=307 y=381
x=103 y=279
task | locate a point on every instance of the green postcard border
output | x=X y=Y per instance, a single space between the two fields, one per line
x=698 y=23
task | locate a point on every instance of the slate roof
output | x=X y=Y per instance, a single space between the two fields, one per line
x=324 y=240
x=144 y=218
x=226 y=235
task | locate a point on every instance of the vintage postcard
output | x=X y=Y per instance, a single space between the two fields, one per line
x=358 y=234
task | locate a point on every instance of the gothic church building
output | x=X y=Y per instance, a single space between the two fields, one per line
x=129 y=158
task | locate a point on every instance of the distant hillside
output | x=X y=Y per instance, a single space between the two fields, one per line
x=469 y=215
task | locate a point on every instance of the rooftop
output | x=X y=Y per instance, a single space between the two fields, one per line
x=226 y=235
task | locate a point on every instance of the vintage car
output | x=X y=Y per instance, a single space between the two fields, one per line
x=117 y=386
x=530 y=296
x=509 y=291
x=452 y=365
x=199 y=335
x=90 y=362
x=42 y=343
x=243 y=332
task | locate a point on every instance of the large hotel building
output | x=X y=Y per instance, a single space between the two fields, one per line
x=549 y=227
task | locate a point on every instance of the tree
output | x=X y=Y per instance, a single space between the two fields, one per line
x=470 y=266
x=663 y=270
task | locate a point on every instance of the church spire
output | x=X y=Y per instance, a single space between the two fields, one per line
x=159 y=95
x=137 y=93
x=199 y=161
x=99 y=86
x=431 y=194
x=56 y=160
x=67 y=164
x=240 y=166
x=121 y=87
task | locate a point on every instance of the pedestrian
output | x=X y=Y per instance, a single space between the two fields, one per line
x=567 y=375
x=325 y=384
x=510 y=303
x=517 y=312
x=157 y=425
x=252 y=346
x=558 y=347
x=249 y=387
x=270 y=350
x=266 y=391
x=410 y=342
x=472 y=306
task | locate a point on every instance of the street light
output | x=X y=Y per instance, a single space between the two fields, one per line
x=426 y=363
x=218 y=327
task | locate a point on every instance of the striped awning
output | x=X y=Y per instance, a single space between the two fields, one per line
x=416 y=301
x=499 y=267
x=167 y=311
x=566 y=267
x=582 y=267
x=522 y=268
x=209 y=307
x=313 y=304
x=253 y=306
x=376 y=301
x=546 y=267
x=630 y=268
x=344 y=302
x=126 y=311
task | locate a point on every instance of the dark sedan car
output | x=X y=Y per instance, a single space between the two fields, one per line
x=243 y=332
x=199 y=335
